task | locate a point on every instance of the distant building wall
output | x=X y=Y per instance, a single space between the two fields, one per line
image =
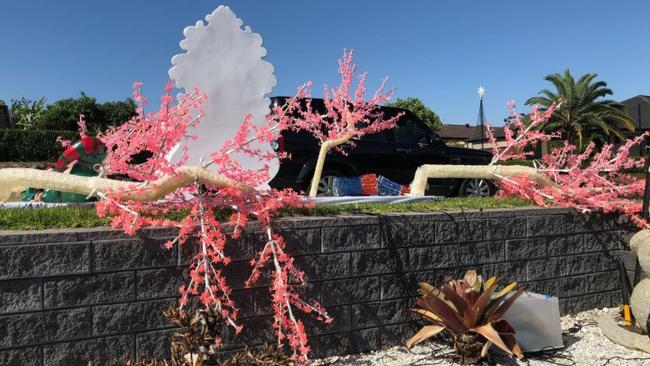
x=639 y=109
x=464 y=135
x=485 y=146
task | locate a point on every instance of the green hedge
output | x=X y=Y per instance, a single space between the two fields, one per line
x=32 y=145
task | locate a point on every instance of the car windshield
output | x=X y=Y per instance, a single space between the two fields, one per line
x=410 y=131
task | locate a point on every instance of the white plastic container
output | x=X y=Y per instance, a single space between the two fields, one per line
x=536 y=320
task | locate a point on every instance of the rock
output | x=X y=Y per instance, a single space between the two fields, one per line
x=642 y=236
x=640 y=299
x=622 y=336
x=643 y=253
x=640 y=303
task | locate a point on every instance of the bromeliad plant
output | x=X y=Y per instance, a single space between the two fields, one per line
x=470 y=311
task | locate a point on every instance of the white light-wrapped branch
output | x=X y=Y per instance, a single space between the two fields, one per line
x=441 y=171
x=320 y=161
x=15 y=180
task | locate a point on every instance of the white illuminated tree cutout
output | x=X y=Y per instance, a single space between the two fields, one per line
x=225 y=61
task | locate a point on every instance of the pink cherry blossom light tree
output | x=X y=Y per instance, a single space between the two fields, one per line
x=594 y=180
x=348 y=114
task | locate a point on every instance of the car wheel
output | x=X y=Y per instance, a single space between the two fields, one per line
x=326 y=183
x=477 y=188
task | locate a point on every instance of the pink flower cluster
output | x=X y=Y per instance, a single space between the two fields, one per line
x=520 y=136
x=347 y=115
x=593 y=180
x=83 y=132
x=153 y=135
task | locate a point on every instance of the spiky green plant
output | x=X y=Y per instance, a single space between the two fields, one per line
x=470 y=311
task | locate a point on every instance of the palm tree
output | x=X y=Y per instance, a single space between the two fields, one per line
x=584 y=110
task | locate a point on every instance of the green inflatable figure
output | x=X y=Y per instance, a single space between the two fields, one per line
x=84 y=154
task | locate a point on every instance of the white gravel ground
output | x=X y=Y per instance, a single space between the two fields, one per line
x=583 y=340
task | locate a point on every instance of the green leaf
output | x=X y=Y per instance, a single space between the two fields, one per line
x=492 y=280
x=506 y=290
x=498 y=313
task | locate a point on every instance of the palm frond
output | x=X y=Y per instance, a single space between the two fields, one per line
x=585 y=110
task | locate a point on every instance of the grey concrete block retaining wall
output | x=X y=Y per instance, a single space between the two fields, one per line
x=68 y=296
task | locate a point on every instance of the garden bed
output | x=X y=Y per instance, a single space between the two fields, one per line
x=583 y=341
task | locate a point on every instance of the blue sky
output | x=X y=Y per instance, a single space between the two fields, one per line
x=439 y=51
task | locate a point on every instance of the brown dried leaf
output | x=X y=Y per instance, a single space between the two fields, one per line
x=425 y=333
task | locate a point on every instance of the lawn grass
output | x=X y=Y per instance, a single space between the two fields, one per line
x=49 y=218
x=448 y=204
x=63 y=217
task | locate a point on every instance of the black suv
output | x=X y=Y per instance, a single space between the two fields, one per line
x=394 y=153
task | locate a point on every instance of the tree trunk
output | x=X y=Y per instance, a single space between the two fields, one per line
x=320 y=162
x=318 y=170
x=424 y=172
x=18 y=179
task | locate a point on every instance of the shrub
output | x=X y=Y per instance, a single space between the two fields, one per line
x=64 y=114
x=415 y=105
x=27 y=113
x=32 y=145
x=470 y=311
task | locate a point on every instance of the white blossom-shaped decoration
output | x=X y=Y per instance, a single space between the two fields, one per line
x=225 y=61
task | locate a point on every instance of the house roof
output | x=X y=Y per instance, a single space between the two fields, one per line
x=465 y=132
x=639 y=108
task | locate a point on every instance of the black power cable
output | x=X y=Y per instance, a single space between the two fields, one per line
x=626 y=359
